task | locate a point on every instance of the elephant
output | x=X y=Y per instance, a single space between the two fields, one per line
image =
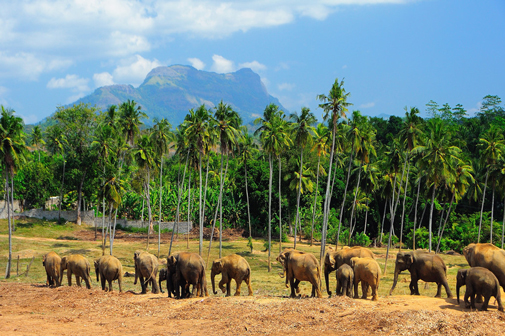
x=345 y=280
x=333 y=260
x=162 y=276
x=231 y=267
x=146 y=269
x=52 y=263
x=188 y=269
x=422 y=266
x=478 y=281
x=78 y=265
x=301 y=266
x=368 y=272
x=488 y=256
x=108 y=268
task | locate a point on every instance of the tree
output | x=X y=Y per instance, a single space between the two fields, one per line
x=321 y=147
x=131 y=116
x=12 y=154
x=334 y=106
x=302 y=130
x=37 y=139
x=55 y=144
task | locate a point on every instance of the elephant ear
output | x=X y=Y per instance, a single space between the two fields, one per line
x=171 y=260
x=353 y=261
x=409 y=260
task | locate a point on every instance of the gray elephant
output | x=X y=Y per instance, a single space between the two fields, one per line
x=108 y=268
x=146 y=269
x=52 y=263
x=333 y=260
x=79 y=266
x=487 y=256
x=368 y=272
x=162 y=276
x=478 y=281
x=422 y=266
x=188 y=269
x=301 y=266
x=231 y=267
x=345 y=280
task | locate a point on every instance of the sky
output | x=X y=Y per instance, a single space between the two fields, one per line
x=391 y=54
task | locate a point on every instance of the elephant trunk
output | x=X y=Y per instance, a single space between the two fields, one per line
x=395 y=281
x=326 y=279
x=212 y=276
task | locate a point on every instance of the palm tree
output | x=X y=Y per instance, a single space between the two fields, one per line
x=492 y=147
x=131 y=117
x=161 y=136
x=12 y=154
x=370 y=183
x=198 y=126
x=37 y=139
x=334 y=106
x=321 y=147
x=302 y=130
x=56 y=142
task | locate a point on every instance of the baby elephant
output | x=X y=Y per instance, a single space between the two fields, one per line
x=368 y=272
x=109 y=268
x=345 y=280
x=231 y=267
x=478 y=281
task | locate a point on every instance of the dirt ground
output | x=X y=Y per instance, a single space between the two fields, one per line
x=27 y=309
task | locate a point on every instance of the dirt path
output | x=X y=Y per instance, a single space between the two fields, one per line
x=33 y=309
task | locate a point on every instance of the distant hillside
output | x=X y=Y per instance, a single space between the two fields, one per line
x=169 y=92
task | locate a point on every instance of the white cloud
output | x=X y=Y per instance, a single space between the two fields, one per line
x=222 y=65
x=27 y=65
x=344 y=66
x=103 y=79
x=265 y=81
x=196 y=63
x=367 y=105
x=30 y=119
x=282 y=66
x=134 y=70
x=471 y=112
x=286 y=86
x=254 y=66
x=73 y=82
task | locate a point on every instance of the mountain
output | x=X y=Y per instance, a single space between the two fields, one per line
x=169 y=92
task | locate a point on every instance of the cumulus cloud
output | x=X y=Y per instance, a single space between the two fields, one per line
x=254 y=65
x=134 y=70
x=73 y=82
x=103 y=79
x=286 y=86
x=27 y=65
x=196 y=63
x=222 y=65
x=367 y=105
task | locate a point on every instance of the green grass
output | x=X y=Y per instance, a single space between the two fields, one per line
x=263 y=282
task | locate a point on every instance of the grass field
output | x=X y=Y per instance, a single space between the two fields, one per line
x=34 y=238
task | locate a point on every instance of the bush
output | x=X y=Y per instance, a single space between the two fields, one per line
x=361 y=239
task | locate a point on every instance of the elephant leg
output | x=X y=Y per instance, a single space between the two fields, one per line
x=467 y=295
x=228 y=288
x=224 y=281
x=248 y=282
x=364 y=289
x=479 y=299
x=143 y=284
x=356 y=283
x=154 y=285
x=69 y=277
x=439 y=290
x=375 y=296
x=238 y=281
x=486 y=302
x=49 y=281
x=292 y=284
x=119 y=281
x=110 y=285
x=78 y=280
x=297 y=287
x=102 y=282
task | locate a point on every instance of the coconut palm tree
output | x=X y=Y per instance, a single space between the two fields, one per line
x=37 y=139
x=334 y=106
x=131 y=116
x=12 y=154
x=302 y=130
x=56 y=143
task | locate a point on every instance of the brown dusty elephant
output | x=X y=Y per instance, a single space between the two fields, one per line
x=334 y=259
x=368 y=272
x=79 y=266
x=345 y=280
x=108 y=268
x=301 y=266
x=52 y=263
x=146 y=269
x=422 y=266
x=189 y=270
x=162 y=276
x=231 y=267
x=478 y=281
x=487 y=256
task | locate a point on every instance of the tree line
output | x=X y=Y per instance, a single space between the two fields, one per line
x=436 y=183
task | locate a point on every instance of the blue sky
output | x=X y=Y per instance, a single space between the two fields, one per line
x=392 y=53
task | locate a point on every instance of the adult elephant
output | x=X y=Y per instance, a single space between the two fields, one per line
x=231 y=267
x=488 y=256
x=79 y=266
x=333 y=260
x=146 y=269
x=301 y=266
x=108 y=268
x=52 y=263
x=189 y=270
x=422 y=266
x=368 y=272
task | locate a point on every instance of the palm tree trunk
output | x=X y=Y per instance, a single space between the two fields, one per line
x=178 y=205
x=159 y=217
x=503 y=224
x=204 y=206
x=79 y=198
x=189 y=208
x=384 y=219
x=392 y=221
x=415 y=216
x=149 y=213
x=404 y=199
x=12 y=204
x=298 y=194
x=345 y=192
x=9 y=260
x=200 y=246
x=280 y=208
x=270 y=211
x=327 y=199
x=431 y=214
x=213 y=227
x=482 y=206
x=247 y=199
x=492 y=215
x=221 y=212
x=445 y=222
x=441 y=221
x=315 y=199
x=354 y=203
x=142 y=215
x=366 y=216
x=61 y=191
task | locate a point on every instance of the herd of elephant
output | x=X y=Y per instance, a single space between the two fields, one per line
x=352 y=265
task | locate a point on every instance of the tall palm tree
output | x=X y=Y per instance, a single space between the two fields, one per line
x=37 y=139
x=56 y=142
x=302 y=130
x=12 y=154
x=492 y=146
x=131 y=116
x=321 y=136
x=334 y=106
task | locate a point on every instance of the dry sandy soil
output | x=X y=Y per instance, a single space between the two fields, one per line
x=35 y=309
